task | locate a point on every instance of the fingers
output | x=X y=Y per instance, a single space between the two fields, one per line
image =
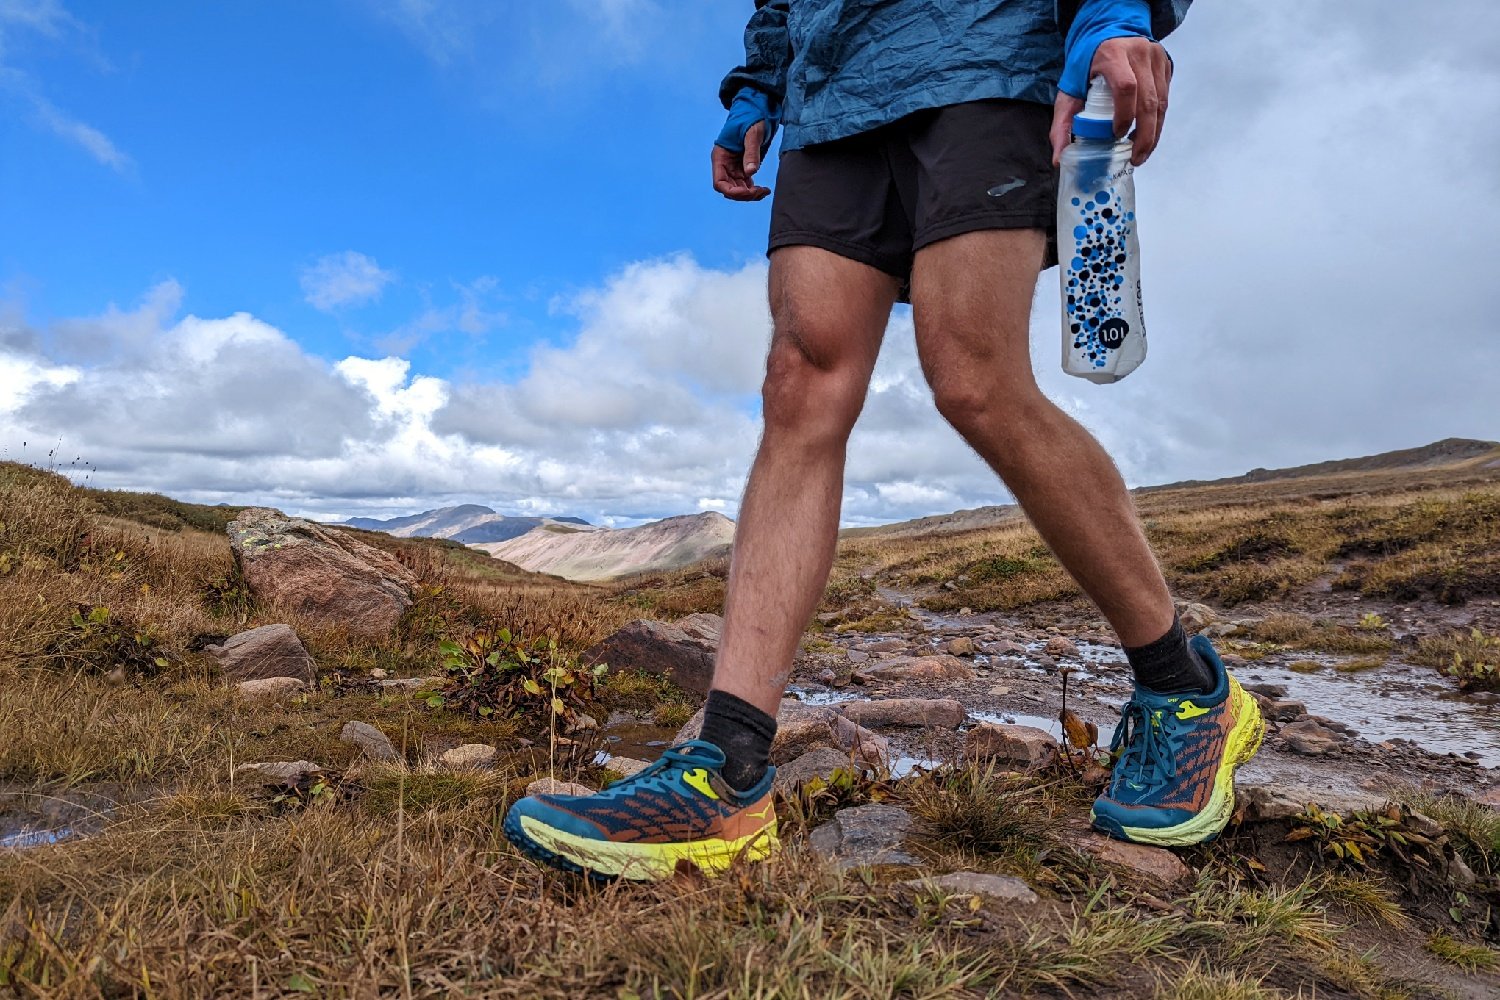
x=1139 y=75
x=754 y=138
x=730 y=178
x=1063 y=110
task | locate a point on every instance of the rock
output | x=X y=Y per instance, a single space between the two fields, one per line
x=469 y=755
x=1271 y=691
x=990 y=888
x=1460 y=874
x=1046 y=662
x=1489 y=797
x=1220 y=630
x=940 y=712
x=626 y=766
x=858 y=656
x=1022 y=748
x=864 y=835
x=409 y=683
x=1005 y=647
x=1286 y=710
x=551 y=786
x=800 y=728
x=1196 y=617
x=962 y=646
x=1154 y=864
x=269 y=688
x=1337 y=727
x=1307 y=737
x=819 y=763
x=1264 y=801
x=267 y=651
x=320 y=573
x=965 y=611
x=684 y=651
x=937 y=667
x=582 y=723
x=1059 y=646
x=372 y=741
x=284 y=772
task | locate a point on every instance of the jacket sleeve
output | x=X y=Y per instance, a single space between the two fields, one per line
x=1166 y=15
x=768 y=53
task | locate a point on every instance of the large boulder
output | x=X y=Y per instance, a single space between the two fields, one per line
x=322 y=574
x=264 y=652
x=800 y=728
x=1023 y=748
x=683 y=651
x=938 y=667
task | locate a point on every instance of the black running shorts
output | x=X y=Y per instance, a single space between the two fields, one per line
x=880 y=196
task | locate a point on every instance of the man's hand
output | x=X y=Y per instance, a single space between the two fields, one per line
x=733 y=171
x=1139 y=75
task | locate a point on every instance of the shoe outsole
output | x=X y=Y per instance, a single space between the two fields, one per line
x=1244 y=742
x=536 y=852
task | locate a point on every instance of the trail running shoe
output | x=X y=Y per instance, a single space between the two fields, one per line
x=1173 y=782
x=678 y=809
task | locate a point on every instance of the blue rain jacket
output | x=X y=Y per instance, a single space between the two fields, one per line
x=841 y=67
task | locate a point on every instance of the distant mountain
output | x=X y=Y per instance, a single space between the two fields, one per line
x=467 y=523
x=603 y=553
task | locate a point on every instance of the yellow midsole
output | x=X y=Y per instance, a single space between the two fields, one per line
x=650 y=861
x=1244 y=741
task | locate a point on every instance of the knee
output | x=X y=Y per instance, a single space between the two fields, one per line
x=980 y=403
x=811 y=396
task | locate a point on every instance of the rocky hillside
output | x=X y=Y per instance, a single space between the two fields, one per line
x=603 y=553
x=467 y=523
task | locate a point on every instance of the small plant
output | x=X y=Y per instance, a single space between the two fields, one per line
x=307 y=790
x=1371 y=622
x=494 y=674
x=1361 y=835
x=1477 y=666
x=96 y=641
x=1469 y=957
x=228 y=595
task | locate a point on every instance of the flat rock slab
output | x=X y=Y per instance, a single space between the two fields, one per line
x=271 y=688
x=1023 y=748
x=1154 y=864
x=264 y=652
x=1310 y=738
x=469 y=756
x=320 y=573
x=551 y=786
x=938 y=667
x=1263 y=801
x=801 y=727
x=283 y=772
x=375 y=744
x=865 y=835
x=626 y=766
x=945 y=713
x=822 y=763
x=991 y=888
x=683 y=651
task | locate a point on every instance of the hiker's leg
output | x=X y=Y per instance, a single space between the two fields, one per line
x=829 y=315
x=971 y=300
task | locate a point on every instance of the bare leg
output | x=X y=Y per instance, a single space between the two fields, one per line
x=829 y=314
x=971 y=297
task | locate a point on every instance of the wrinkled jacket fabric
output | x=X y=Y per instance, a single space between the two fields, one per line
x=841 y=67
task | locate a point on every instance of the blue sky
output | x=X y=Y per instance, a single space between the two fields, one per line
x=528 y=153
x=374 y=256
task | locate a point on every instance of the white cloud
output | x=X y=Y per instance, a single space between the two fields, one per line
x=344 y=279
x=50 y=20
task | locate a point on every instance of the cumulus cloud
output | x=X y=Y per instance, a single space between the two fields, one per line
x=344 y=279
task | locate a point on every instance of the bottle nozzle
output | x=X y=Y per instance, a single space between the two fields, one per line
x=1097 y=119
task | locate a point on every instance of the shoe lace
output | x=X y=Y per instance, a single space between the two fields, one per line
x=1149 y=739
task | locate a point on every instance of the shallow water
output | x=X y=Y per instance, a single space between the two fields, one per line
x=1393 y=702
x=24 y=837
x=1048 y=725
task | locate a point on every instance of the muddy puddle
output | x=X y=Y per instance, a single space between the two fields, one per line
x=639 y=740
x=31 y=819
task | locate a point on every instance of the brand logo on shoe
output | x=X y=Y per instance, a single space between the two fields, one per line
x=1187 y=710
x=698 y=778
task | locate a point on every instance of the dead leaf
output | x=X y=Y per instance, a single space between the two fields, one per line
x=1078 y=731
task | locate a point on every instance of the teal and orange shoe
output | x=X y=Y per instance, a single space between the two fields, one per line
x=677 y=810
x=1173 y=782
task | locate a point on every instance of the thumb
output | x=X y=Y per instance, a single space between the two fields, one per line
x=754 y=137
x=1063 y=110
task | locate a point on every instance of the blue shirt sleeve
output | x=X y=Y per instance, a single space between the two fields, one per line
x=1098 y=21
x=748 y=107
x=768 y=54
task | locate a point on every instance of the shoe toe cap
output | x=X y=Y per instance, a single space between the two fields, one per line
x=548 y=811
x=1113 y=817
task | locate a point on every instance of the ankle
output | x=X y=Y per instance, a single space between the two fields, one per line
x=743 y=732
x=1168 y=665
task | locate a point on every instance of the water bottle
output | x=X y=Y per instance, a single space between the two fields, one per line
x=1104 y=338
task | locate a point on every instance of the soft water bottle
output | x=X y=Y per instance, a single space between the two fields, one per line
x=1104 y=338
